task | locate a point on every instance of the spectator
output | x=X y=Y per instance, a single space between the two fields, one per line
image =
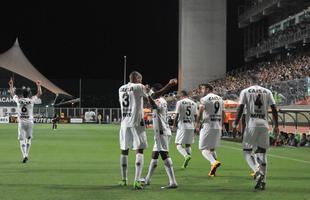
x=303 y=140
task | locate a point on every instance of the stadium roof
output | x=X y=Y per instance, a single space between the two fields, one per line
x=15 y=61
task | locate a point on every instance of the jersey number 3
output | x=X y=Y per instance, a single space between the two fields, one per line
x=125 y=101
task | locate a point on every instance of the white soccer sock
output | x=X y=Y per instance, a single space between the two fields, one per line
x=139 y=166
x=262 y=164
x=123 y=165
x=181 y=150
x=22 y=145
x=208 y=155
x=214 y=155
x=28 y=145
x=170 y=172
x=249 y=159
x=152 y=167
x=188 y=150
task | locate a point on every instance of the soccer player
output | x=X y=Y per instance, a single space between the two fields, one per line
x=55 y=121
x=132 y=131
x=162 y=135
x=186 y=113
x=211 y=109
x=256 y=100
x=25 y=104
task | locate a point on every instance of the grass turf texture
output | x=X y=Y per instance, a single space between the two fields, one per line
x=82 y=162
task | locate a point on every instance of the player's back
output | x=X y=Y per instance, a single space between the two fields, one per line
x=187 y=109
x=162 y=114
x=213 y=113
x=257 y=101
x=131 y=101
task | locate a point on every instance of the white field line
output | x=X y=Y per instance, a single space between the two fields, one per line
x=271 y=155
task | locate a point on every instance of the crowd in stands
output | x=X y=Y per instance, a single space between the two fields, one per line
x=286 y=78
x=269 y=73
x=290 y=139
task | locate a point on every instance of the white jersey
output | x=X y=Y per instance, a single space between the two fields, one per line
x=257 y=101
x=131 y=101
x=187 y=109
x=213 y=111
x=162 y=110
x=25 y=107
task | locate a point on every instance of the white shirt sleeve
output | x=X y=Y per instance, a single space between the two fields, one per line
x=242 y=98
x=177 y=108
x=271 y=100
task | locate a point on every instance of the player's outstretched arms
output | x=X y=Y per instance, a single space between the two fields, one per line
x=165 y=89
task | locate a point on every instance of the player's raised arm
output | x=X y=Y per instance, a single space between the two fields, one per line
x=165 y=89
x=39 y=89
x=11 y=85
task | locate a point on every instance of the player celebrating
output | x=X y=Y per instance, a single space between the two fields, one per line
x=211 y=107
x=257 y=99
x=162 y=135
x=25 y=105
x=186 y=111
x=132 y=131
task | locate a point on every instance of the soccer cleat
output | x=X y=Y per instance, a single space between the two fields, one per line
x=263 y=186
x=137 y=185
x=143 y=181
x=253 y=175
x=260 y=185
x=123 y=183
x=186 y=161
x=170 y=186
x=213 y=168
x=25 y=160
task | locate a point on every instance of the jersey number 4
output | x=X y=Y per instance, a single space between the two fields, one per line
x=258 y=102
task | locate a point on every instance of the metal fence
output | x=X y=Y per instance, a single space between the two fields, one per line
x=108 y=114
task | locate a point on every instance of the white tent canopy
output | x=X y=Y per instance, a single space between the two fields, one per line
x=15 y=60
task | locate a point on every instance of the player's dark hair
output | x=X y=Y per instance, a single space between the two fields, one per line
x=157 y=86
x=206 y=85
x=184 y=93
x=26 y=92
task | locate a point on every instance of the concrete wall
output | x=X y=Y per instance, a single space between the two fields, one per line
x=202 y=41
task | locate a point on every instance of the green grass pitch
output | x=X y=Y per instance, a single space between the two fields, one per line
x=82 y=162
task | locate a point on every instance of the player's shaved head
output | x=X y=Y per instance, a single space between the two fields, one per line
x=135 y=77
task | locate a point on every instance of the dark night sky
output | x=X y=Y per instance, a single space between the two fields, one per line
x=75 y=40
